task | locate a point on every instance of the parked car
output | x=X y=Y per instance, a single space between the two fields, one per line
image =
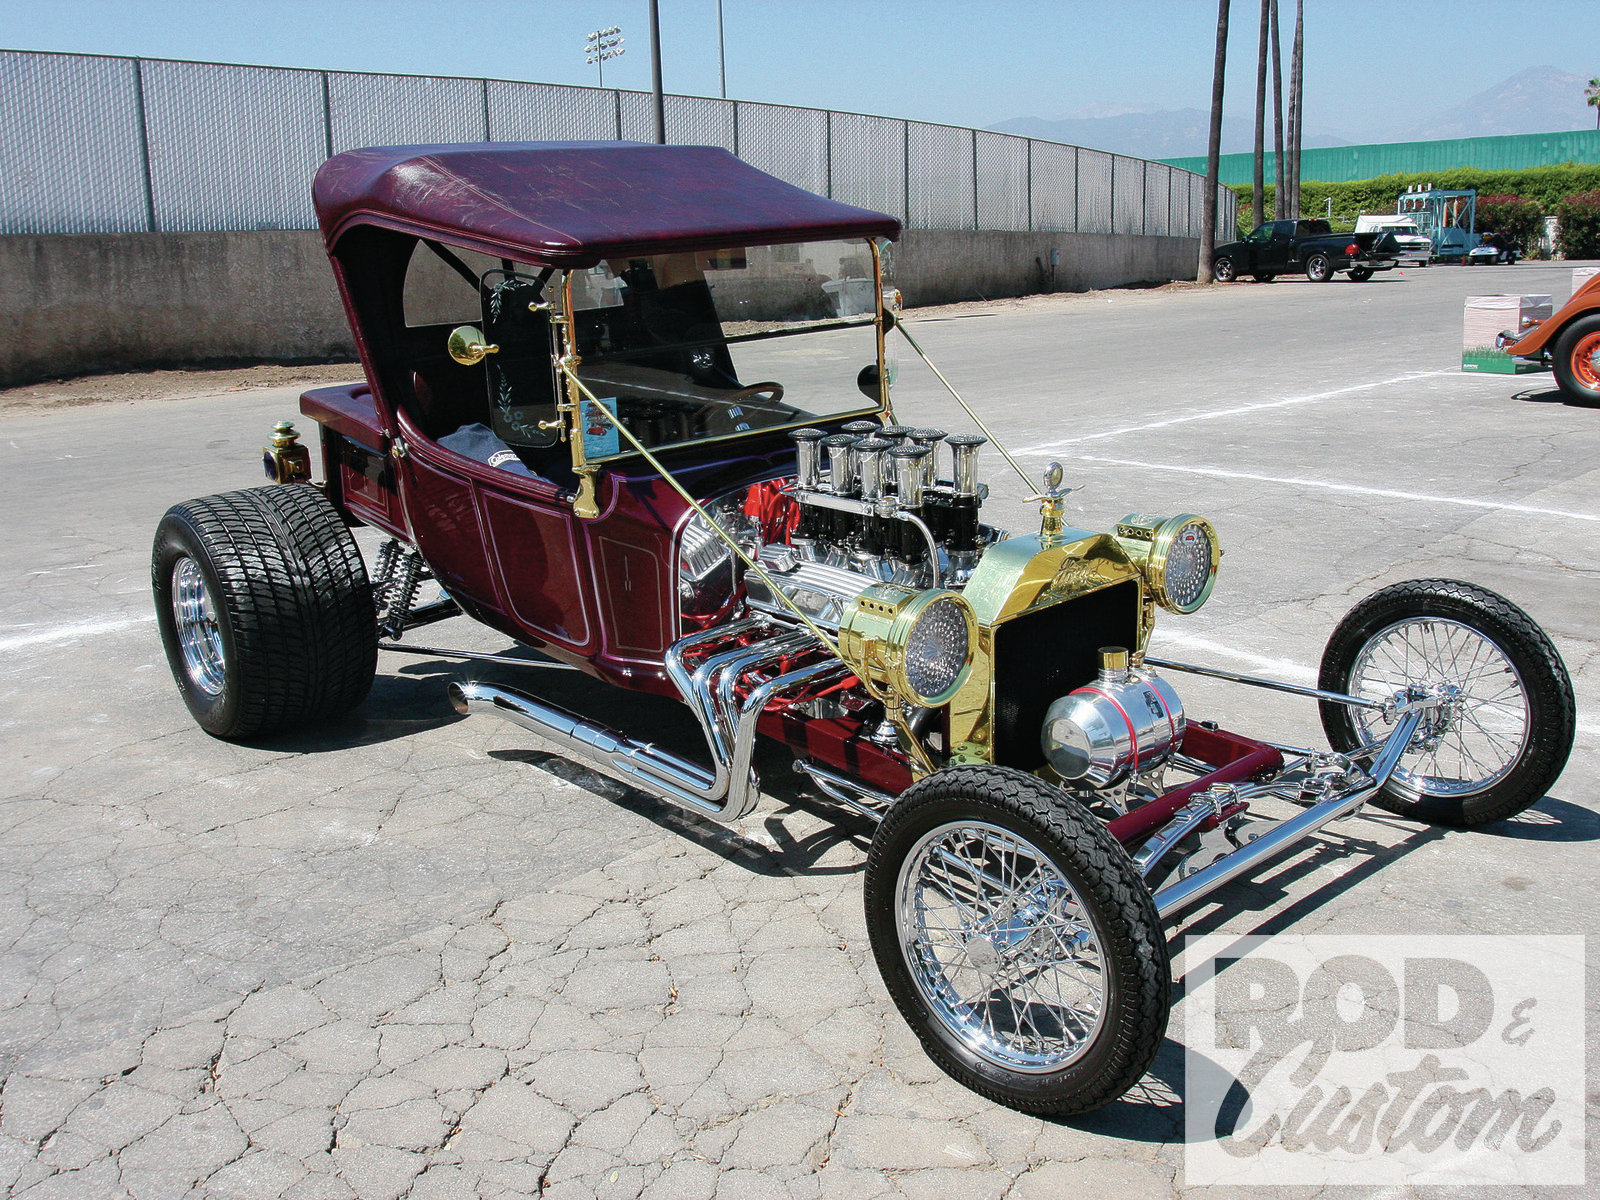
x=614 y=411
x=1412 y=246
x=1569 y=340
x=1309 y=245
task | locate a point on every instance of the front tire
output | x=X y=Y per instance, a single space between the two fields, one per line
x=1504 y=735
x=264 y=608
x=1576 y=360
x=1360 y=274
x=1319 y=268
x=1222 y=270
x=1018 y=940
x=1266 y=277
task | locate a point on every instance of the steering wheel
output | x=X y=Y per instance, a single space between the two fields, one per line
x=772 y=393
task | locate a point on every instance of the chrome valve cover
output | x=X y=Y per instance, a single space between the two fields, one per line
x=1126 y=721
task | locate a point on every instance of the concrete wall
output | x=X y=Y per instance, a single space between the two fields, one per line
x=71 y=304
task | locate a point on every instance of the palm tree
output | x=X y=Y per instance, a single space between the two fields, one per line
x=1280 y=197
x=1297 y=87
x=1593 y=93
x=1208 y=209
x=1257 y=206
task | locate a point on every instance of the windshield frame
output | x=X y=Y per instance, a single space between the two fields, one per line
x=586 y=467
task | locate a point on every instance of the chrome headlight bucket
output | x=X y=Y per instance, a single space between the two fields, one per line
x=916 y=645
x=1178 y=556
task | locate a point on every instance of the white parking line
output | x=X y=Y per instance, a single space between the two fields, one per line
x=1347 y=488
x=76 y=631
x=1239 y=410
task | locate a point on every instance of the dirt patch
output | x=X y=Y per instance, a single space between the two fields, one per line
x=168 y=385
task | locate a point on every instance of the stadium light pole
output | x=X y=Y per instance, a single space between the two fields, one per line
x=722 y=56
x=655 y=72
x=601 y=45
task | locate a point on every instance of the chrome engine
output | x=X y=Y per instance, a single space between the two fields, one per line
x=876 y=512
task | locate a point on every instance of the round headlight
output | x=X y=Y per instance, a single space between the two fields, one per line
x=938 y=651
x=1178 y=555
x=918 y=645
x=1183 y=563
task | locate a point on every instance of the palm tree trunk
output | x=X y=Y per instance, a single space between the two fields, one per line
x=1297 y=116
x=1208 y=209
x=1279 y=196
x=1257 y=199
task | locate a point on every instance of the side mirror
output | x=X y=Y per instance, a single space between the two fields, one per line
x=467 y=347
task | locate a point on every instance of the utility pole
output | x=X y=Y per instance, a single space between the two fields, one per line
x=655 y=72
x=722 y=54
x=601 y=45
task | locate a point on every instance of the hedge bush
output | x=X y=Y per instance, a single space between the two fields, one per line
x=1579 y=236
x=1543 y=186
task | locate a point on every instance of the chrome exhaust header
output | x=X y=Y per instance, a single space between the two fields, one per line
x=729 y=789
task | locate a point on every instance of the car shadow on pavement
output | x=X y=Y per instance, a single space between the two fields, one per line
x=411 y=702
x=1550 y=820
x=1551 y=395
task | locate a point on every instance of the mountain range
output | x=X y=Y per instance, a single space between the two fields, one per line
x=1538 y=100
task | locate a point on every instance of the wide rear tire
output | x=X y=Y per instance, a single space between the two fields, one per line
x=1576 y=360
x=1503 y=738
x=1018 y=940
x=264 y=608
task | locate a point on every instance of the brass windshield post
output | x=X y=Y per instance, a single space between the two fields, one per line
x=883 y=367
x=584 y=504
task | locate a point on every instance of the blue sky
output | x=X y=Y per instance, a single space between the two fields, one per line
x=969 y=63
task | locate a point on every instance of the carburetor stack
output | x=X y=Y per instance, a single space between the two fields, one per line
x=873 y=509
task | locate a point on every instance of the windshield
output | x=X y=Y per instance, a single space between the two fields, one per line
x=704 y=344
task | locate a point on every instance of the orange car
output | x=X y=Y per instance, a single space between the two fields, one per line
x=1569 y=341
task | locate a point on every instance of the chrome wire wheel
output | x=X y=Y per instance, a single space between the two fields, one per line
x=194 y=614
x=1000 y=946
x=1502 y=729
x=1479 y=733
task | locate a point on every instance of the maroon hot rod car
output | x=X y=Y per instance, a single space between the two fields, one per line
x=628 y=405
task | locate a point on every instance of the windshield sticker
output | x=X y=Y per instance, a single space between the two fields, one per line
x=600 y=436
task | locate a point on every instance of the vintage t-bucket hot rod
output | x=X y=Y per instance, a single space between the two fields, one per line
x=664 y=453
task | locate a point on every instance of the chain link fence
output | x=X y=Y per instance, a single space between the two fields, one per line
x=118 y=145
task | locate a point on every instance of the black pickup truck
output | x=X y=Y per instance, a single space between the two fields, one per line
x=1282 y=247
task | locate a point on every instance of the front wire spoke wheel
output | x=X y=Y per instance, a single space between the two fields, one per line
x=1504 y=720
x=1048 y=1006
x=1017 y=939
x=1474 y=738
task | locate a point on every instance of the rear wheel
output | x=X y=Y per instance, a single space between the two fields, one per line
x=1017 y=940
x=1576 y=360
x=1222 y=270
x=1502 y=736
x=1319 y=268
x=264 y=608
x=1360 y=274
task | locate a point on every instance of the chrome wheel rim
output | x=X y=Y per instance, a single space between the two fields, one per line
x=1471 y=742
x=195 y=617
x=1000 y=947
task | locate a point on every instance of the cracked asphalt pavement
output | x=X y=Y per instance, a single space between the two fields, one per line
x=409 y=954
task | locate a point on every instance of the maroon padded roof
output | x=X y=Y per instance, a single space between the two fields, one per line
x=571 y=204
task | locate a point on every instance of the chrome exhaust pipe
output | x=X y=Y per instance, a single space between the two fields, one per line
x=726 y=792
x=650 y=768
x=1179 y=895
